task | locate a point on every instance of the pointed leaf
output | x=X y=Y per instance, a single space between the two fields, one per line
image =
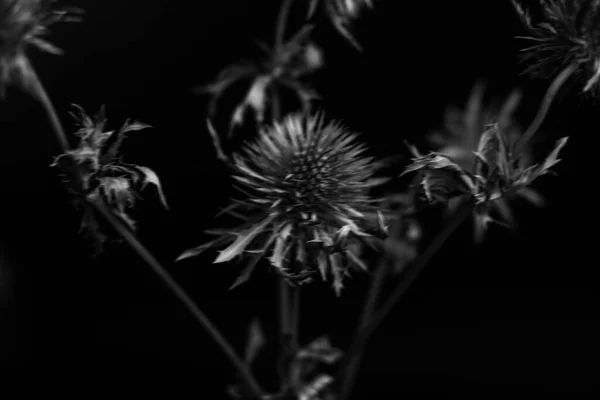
x=151 y=177
x=243 y=240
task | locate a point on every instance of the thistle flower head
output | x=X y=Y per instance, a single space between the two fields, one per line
x=25 y=23
x=483 y=164
x=307 y=201
x=280 y=69
x=568 y=33
x=95 y=171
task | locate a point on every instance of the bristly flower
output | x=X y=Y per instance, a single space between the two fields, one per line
x=307 y=185
x=569 y=34
x=24 y=23
x=342 y=14
x=483 y=166
x=280 y=69
x=95 y=171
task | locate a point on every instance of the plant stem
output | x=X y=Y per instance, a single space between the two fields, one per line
x=546 y=103
x=295 y=317
x=356 y=349
x=38 y=91
x=413 y=272
x=282 y=19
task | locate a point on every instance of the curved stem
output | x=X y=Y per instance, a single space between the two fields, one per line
x=37 y=90
x=546 y=103
x=282 y=19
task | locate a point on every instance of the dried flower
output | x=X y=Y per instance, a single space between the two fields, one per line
x=307 y=185
x=343 y=14
x=25 y=23
x=281 y=68
x=95 y=171
x=484 y=166
x=569 y=33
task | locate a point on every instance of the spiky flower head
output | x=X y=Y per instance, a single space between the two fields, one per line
x=307 y=202
x=94 y=170
x=342 y=14
x=281 y=69
x=487 y=165
x=24 y=23
x=568 y=34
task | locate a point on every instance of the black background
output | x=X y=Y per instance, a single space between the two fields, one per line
x=513 y=315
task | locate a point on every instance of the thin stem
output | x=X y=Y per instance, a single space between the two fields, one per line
x=282 y=19
x=295 y=317
x=413 y=272
x=38 y=92
x=546 y=103
x=356 y=349
x=227 y=349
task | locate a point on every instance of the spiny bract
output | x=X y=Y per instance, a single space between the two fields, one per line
x=569 y=33
x=307 y=185
x=95 y=171
x=24 y=23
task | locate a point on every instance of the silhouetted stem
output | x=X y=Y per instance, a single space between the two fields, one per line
x=551 y=93
x=295 y=317
x=38 y=91
x=414 y=270
x=377 y=317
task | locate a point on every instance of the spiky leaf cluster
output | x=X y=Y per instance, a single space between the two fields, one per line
x=568 y=33
x=307 y=203
x=95 y=171
x=25 y=23
x=489 y=171
x=281 y=68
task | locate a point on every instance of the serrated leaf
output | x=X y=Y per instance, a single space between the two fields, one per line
x=553 y=159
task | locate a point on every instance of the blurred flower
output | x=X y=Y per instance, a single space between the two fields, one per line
x=95 y=171
x=569 y=34
x=484 y=166
x=25 y=23
x=343 y=14
x=307 y=185
x=280 y=69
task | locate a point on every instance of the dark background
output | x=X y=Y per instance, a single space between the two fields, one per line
x=515 y=314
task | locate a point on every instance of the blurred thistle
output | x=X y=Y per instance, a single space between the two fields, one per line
x=25 y=23
x=307 y=185
x=342 y=14
x=568 y=36
x=486 y=167
x=94 y=170
x=281 y=68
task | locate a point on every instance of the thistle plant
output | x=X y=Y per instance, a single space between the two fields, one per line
x=307 y=203
x=95 y=171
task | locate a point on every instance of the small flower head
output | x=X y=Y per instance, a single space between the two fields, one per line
x=569 y=33
x=281 y=70
x=307 y=185
x=24 y=23
x=95 y=171
x=485 y=166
